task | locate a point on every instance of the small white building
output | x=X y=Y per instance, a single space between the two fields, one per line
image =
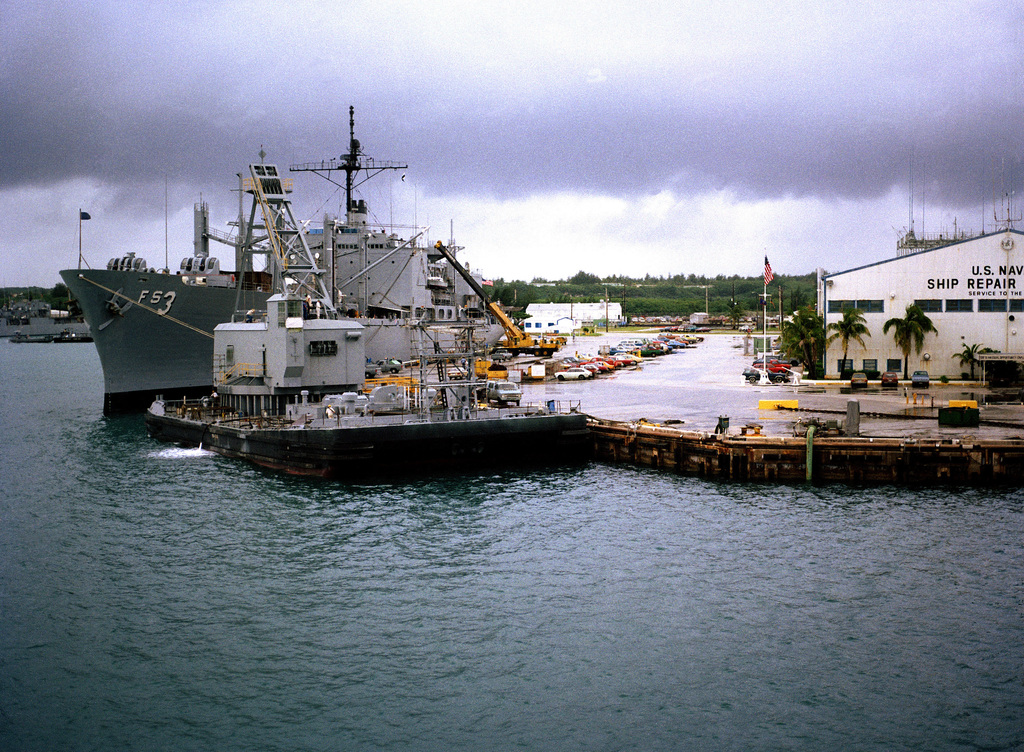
x=565 y=318
x=972 y=290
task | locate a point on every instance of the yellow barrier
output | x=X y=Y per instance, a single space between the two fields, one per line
x=963 y=403
x=777 y=404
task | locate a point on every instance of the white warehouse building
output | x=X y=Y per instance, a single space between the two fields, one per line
x=972 y=290
x=565 y=318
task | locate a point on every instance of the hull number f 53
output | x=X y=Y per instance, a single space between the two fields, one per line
x=156 y=297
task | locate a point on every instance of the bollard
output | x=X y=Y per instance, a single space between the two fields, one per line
x=853 y=418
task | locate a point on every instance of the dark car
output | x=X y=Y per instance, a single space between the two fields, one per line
x=751 y=374
x=919 y=379
x=859 y=380
x=890 y=379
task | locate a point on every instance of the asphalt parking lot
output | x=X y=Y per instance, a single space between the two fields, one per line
x=698 y=385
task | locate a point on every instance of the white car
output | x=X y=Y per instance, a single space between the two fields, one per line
x=574 y=373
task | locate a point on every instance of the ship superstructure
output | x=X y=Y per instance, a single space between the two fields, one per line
x=153 y=328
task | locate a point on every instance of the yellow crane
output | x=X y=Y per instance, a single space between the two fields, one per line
x=516 y=340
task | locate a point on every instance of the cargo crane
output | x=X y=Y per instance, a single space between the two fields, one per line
x=516 y=340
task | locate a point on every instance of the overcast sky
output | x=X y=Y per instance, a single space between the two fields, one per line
x=615 y=138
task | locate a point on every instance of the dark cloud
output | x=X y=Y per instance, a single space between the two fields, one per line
x=793 y=100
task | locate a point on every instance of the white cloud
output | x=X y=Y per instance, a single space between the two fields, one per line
x=555 y=236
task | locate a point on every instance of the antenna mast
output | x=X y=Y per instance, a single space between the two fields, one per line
x=911 y=191
x=351 y=164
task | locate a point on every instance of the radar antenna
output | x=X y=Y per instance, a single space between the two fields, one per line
x=352 y=163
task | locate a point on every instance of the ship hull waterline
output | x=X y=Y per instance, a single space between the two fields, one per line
x=154 y=334
x=391 y=448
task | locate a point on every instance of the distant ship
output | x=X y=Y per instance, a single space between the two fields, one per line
x=154 y=330
x=36 y=321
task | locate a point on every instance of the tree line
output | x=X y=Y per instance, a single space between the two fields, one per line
x=678 y=295
x=57 y=296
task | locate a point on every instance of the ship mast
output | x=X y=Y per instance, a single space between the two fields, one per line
x=352 y=163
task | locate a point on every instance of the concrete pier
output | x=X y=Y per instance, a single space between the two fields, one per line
x=829 y=459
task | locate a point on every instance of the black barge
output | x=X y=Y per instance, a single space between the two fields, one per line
x=327 y=441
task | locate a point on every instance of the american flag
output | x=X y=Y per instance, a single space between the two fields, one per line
x=768 y=276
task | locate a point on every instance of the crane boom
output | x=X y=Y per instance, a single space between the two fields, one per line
x=516 y=339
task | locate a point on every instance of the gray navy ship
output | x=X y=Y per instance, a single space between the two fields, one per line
x=153 y=329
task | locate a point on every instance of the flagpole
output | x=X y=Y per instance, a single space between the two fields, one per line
x=768 y=277
x=82 y=215
x=764 y=316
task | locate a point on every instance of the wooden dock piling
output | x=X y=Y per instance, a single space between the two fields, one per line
x=833 y=459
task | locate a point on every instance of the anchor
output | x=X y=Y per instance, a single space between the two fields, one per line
x=115 y=308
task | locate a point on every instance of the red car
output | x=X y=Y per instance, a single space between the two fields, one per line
x=602 y=366
x=774 y=365
x=620 y=361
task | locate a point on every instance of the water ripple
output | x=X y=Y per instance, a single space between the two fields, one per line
x=153 y=597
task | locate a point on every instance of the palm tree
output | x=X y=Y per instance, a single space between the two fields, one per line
x=736 y=312
x=909 y=332
x=803 y=337
x=850 y=327
x=968 y=357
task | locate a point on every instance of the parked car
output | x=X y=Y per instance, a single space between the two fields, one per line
x=753 y=375
x=630 y=359
x=576 y=372
x=390 y=365
x=601 y=366
x=890 y=379
x=859 y=380
x=774 y=365
x=919 y=379
x=620 y=361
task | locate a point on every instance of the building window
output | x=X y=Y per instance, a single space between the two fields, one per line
x=288 y=309
x=838 y=306
x=959 y=305
x=893 y=364
x=1017 y=305
x=229 y=355
x=870 y=365
x=871 y=306
x=991 y=305
x=929 y=306
x=323 y=348
x=844 y=365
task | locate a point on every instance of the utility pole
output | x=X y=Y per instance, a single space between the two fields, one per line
x=707 y=298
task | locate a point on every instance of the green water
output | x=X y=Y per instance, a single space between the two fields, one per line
x=159 y=598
